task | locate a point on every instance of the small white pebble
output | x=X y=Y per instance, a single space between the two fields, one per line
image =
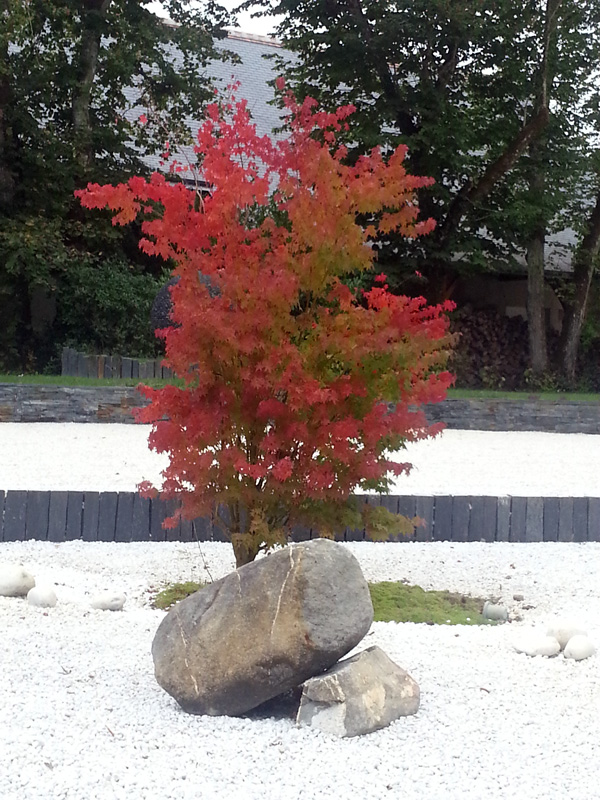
x=108 y=601
x=42 y=597
x=579 y=647
x=533 y=643
x=563 y=630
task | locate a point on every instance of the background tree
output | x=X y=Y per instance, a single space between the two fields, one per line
x=419 y=74
x=72 y=73
x=551 y=187
x=493 y=101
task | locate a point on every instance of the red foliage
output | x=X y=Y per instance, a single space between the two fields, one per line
x=286 y=376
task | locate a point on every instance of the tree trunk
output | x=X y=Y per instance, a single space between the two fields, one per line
x=91 y=36
x=584 y=264
x=538 y=350
x=245 y=548
x=536 y=318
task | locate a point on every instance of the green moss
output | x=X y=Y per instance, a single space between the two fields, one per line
x=392 y=602
x=399 y=602
x=174 y=593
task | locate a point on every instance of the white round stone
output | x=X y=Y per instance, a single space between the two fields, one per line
x=108 y=601
x=533 y=643
x=42 y=596
x=579 y=647
x=15 y=581
x=563 y=630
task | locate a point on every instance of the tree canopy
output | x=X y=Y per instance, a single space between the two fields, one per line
x=295 y=390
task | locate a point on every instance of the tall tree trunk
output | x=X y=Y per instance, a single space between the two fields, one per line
x=536 y=319
x=92 y=14
x=584 y=264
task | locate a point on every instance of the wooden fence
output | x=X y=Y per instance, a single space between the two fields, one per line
x=127 y=517
x=80 y=365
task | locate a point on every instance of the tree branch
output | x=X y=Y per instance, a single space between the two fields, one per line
x=404 y=119
x=446 y=70
x=473 y=193
x=88 y=63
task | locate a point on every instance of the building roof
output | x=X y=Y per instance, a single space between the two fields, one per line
x=255 y=74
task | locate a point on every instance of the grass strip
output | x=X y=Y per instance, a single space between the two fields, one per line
x=453 y=394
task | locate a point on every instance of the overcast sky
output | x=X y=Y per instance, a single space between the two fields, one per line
x=262 y=26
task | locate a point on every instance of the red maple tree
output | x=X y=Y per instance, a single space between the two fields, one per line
x=293 y=390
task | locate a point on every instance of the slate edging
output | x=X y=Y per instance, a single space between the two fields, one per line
x=60 y=516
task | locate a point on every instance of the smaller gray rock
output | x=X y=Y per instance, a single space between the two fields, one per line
x=108 y=601
x=15 y=581
x=42 y=596
x=494 y=612
x=518 y=598
x=579 y=647
x=358 y=695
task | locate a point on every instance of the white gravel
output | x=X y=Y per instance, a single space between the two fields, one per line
x=93 y=457
x=81 y=716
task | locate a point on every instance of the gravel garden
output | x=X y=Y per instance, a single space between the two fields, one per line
x=84 y=717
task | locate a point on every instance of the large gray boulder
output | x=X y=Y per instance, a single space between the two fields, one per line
x=263 y=629
x=359 y=695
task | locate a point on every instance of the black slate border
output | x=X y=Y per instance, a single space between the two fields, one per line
x=127 y=517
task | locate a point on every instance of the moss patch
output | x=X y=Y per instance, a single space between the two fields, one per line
x=399 y=602
x=173 y=593
x=392 y=602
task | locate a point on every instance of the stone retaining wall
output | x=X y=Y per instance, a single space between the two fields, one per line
x=518 y=415
x=32 y=403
